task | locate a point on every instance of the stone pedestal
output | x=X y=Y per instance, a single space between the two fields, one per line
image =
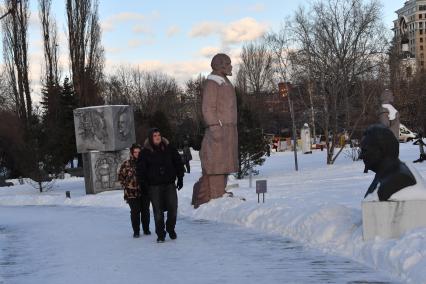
x=101 y=170
x=104 y=128
x=391 y=219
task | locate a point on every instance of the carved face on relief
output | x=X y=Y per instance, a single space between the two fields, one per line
x=123 y=125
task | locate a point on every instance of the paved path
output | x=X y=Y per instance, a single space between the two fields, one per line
x=95 y=245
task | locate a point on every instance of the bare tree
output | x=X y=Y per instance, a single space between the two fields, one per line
x=340 y=42
x=282 y=46
x=86 y=51
x=50 y=42
x=7 y=98
x=15 y=51
x=256 y=70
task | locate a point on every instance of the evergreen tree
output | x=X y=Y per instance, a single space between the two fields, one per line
x=67 y=103
x=252 y=145
x=160 y=120
x=48 y=130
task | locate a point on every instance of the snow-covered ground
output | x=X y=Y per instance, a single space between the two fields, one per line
x=317 y=208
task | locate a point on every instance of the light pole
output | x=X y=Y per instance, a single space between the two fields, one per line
x=284 y=91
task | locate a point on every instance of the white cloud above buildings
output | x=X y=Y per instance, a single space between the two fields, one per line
x=235 y=32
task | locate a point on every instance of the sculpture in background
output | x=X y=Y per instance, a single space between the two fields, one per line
x=388 y=115
x=380 y=151
x=103 y=134
x=305 y=136
x=219 y=148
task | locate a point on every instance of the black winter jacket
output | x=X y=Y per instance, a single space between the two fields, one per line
x=158 y=165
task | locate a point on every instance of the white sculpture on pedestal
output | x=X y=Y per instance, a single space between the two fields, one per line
x=305 y=135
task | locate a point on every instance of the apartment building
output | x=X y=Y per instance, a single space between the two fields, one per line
x=410 y=32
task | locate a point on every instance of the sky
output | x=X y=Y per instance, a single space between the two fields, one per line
x=175 y=37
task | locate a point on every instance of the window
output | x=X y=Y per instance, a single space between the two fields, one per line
x=422 y=7
x=420 y=16
x=421 y=47
x=421 y=32
x=421 y=25
x=421 y=39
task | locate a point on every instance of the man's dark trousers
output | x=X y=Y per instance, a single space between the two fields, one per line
x=164 y=198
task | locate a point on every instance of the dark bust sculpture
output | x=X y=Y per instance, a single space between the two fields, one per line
x=380 y=151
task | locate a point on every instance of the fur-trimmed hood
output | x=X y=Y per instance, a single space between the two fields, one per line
x=148 y=145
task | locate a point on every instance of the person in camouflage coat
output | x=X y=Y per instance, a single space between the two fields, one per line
x=137 y=199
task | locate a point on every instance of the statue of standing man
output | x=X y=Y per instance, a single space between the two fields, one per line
x=219 y=149
x=388 y=115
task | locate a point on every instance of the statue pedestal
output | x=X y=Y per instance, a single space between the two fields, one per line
x=391 y=219
x=101 y=170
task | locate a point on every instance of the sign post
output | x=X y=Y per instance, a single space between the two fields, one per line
x=261 y=187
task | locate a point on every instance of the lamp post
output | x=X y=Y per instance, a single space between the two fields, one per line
x=284 y=91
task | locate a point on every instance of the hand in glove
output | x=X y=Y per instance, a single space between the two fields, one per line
x=179 y=183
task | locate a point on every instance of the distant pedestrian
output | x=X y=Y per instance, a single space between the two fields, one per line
x=187 y=156
x=137 y=199
x=158 y=168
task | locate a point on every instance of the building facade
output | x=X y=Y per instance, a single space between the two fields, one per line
x=410 y=33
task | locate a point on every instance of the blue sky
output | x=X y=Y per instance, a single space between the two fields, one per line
x=175 y=37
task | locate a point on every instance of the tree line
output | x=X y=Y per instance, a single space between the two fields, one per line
x=336 y=57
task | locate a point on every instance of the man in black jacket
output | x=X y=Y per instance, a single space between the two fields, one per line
x=158 y=167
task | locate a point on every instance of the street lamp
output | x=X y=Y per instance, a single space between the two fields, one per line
x=284 y=91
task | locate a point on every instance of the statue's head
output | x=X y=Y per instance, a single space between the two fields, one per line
x=221 y=63
x=378 y=145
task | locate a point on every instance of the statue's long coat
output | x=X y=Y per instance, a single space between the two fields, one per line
x=219 y=149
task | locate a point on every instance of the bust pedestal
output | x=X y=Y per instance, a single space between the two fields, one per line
x=391 y=219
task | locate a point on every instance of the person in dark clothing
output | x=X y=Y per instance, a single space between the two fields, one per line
x=157 y=169
x=421 y=144
x=187 y=156
x=138 y=201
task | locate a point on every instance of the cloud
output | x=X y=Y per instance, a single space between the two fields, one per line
x=245 y=29
x=209 y=51
x=173 y=30
x=109 y=24
x=180 y=70
x=205 y=29
x=258 y=7
x=134 y=43
x=139 y=29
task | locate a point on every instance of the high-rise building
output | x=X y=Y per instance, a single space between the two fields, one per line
x=410 y=32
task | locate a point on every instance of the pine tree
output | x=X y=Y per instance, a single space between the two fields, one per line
x=160 y=120
x=47 y=134
x=252 y=145
x=67 y=103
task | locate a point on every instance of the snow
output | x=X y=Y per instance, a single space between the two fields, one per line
x=218 y=79
x=392 y=111
x=318 y=208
